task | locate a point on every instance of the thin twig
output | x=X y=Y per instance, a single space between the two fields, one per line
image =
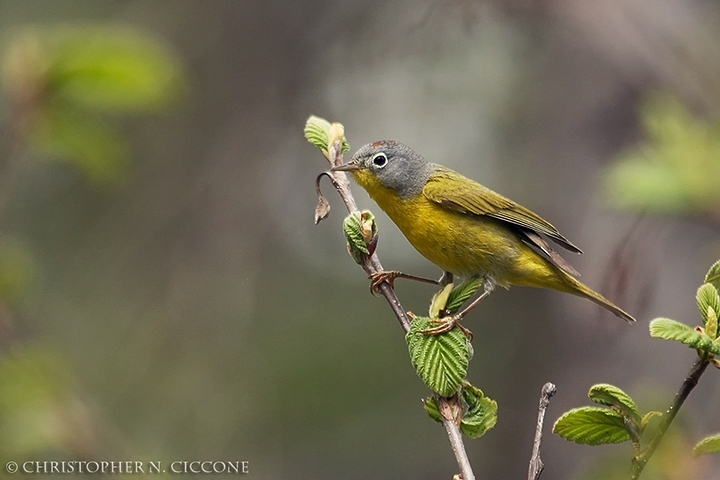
x=536 y=464
x=639 y=461
x=371 y=264
x=458 y=448
x=451 y=413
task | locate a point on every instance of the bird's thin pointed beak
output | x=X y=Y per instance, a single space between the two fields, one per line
x=347 y=167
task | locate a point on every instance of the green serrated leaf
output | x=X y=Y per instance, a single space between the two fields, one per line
x=439 y=301
x=612 y=396
x=431 y=407
x=360 y=231
x=316 y=132
x=713 y=277
x=461 y=294
x=707 y=297
x=668 y=329
x=441 y=360
x=352 y=227
x=481 y=412
x=592 y=426
x=707 y=445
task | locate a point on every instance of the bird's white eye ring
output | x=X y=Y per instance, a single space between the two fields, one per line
x=379 y=160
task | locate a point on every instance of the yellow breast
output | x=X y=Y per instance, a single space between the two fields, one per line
x=462 y=244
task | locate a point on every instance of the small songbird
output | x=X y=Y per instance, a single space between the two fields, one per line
x=463 y=227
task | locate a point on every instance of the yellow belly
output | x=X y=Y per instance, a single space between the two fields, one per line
x=469 y=245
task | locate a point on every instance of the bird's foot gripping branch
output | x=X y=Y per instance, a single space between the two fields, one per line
x=620 y=420
x=440 y=359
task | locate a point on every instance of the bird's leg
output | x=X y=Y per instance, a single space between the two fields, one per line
x=488 y=287
x=446 y=279
x=389 y=276
x=446 y=324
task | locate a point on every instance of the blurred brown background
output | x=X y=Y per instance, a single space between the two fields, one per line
x=191 y=310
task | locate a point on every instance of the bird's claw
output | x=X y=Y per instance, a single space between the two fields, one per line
x=377 y=278
x=445 y=324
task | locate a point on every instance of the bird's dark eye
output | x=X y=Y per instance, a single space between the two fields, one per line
x=380 y=160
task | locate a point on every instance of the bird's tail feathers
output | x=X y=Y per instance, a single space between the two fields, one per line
x=578 y=288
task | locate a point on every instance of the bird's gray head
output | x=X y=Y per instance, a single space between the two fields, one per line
x=393 y=164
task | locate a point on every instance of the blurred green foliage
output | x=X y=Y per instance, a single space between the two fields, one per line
x=676 y=169
x=17 y=269
x=96 y=148
x=37 y=410
x=63 y=87
x=113 y=69
x=62 y=79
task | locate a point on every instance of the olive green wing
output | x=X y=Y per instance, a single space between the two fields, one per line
x=456 y=192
